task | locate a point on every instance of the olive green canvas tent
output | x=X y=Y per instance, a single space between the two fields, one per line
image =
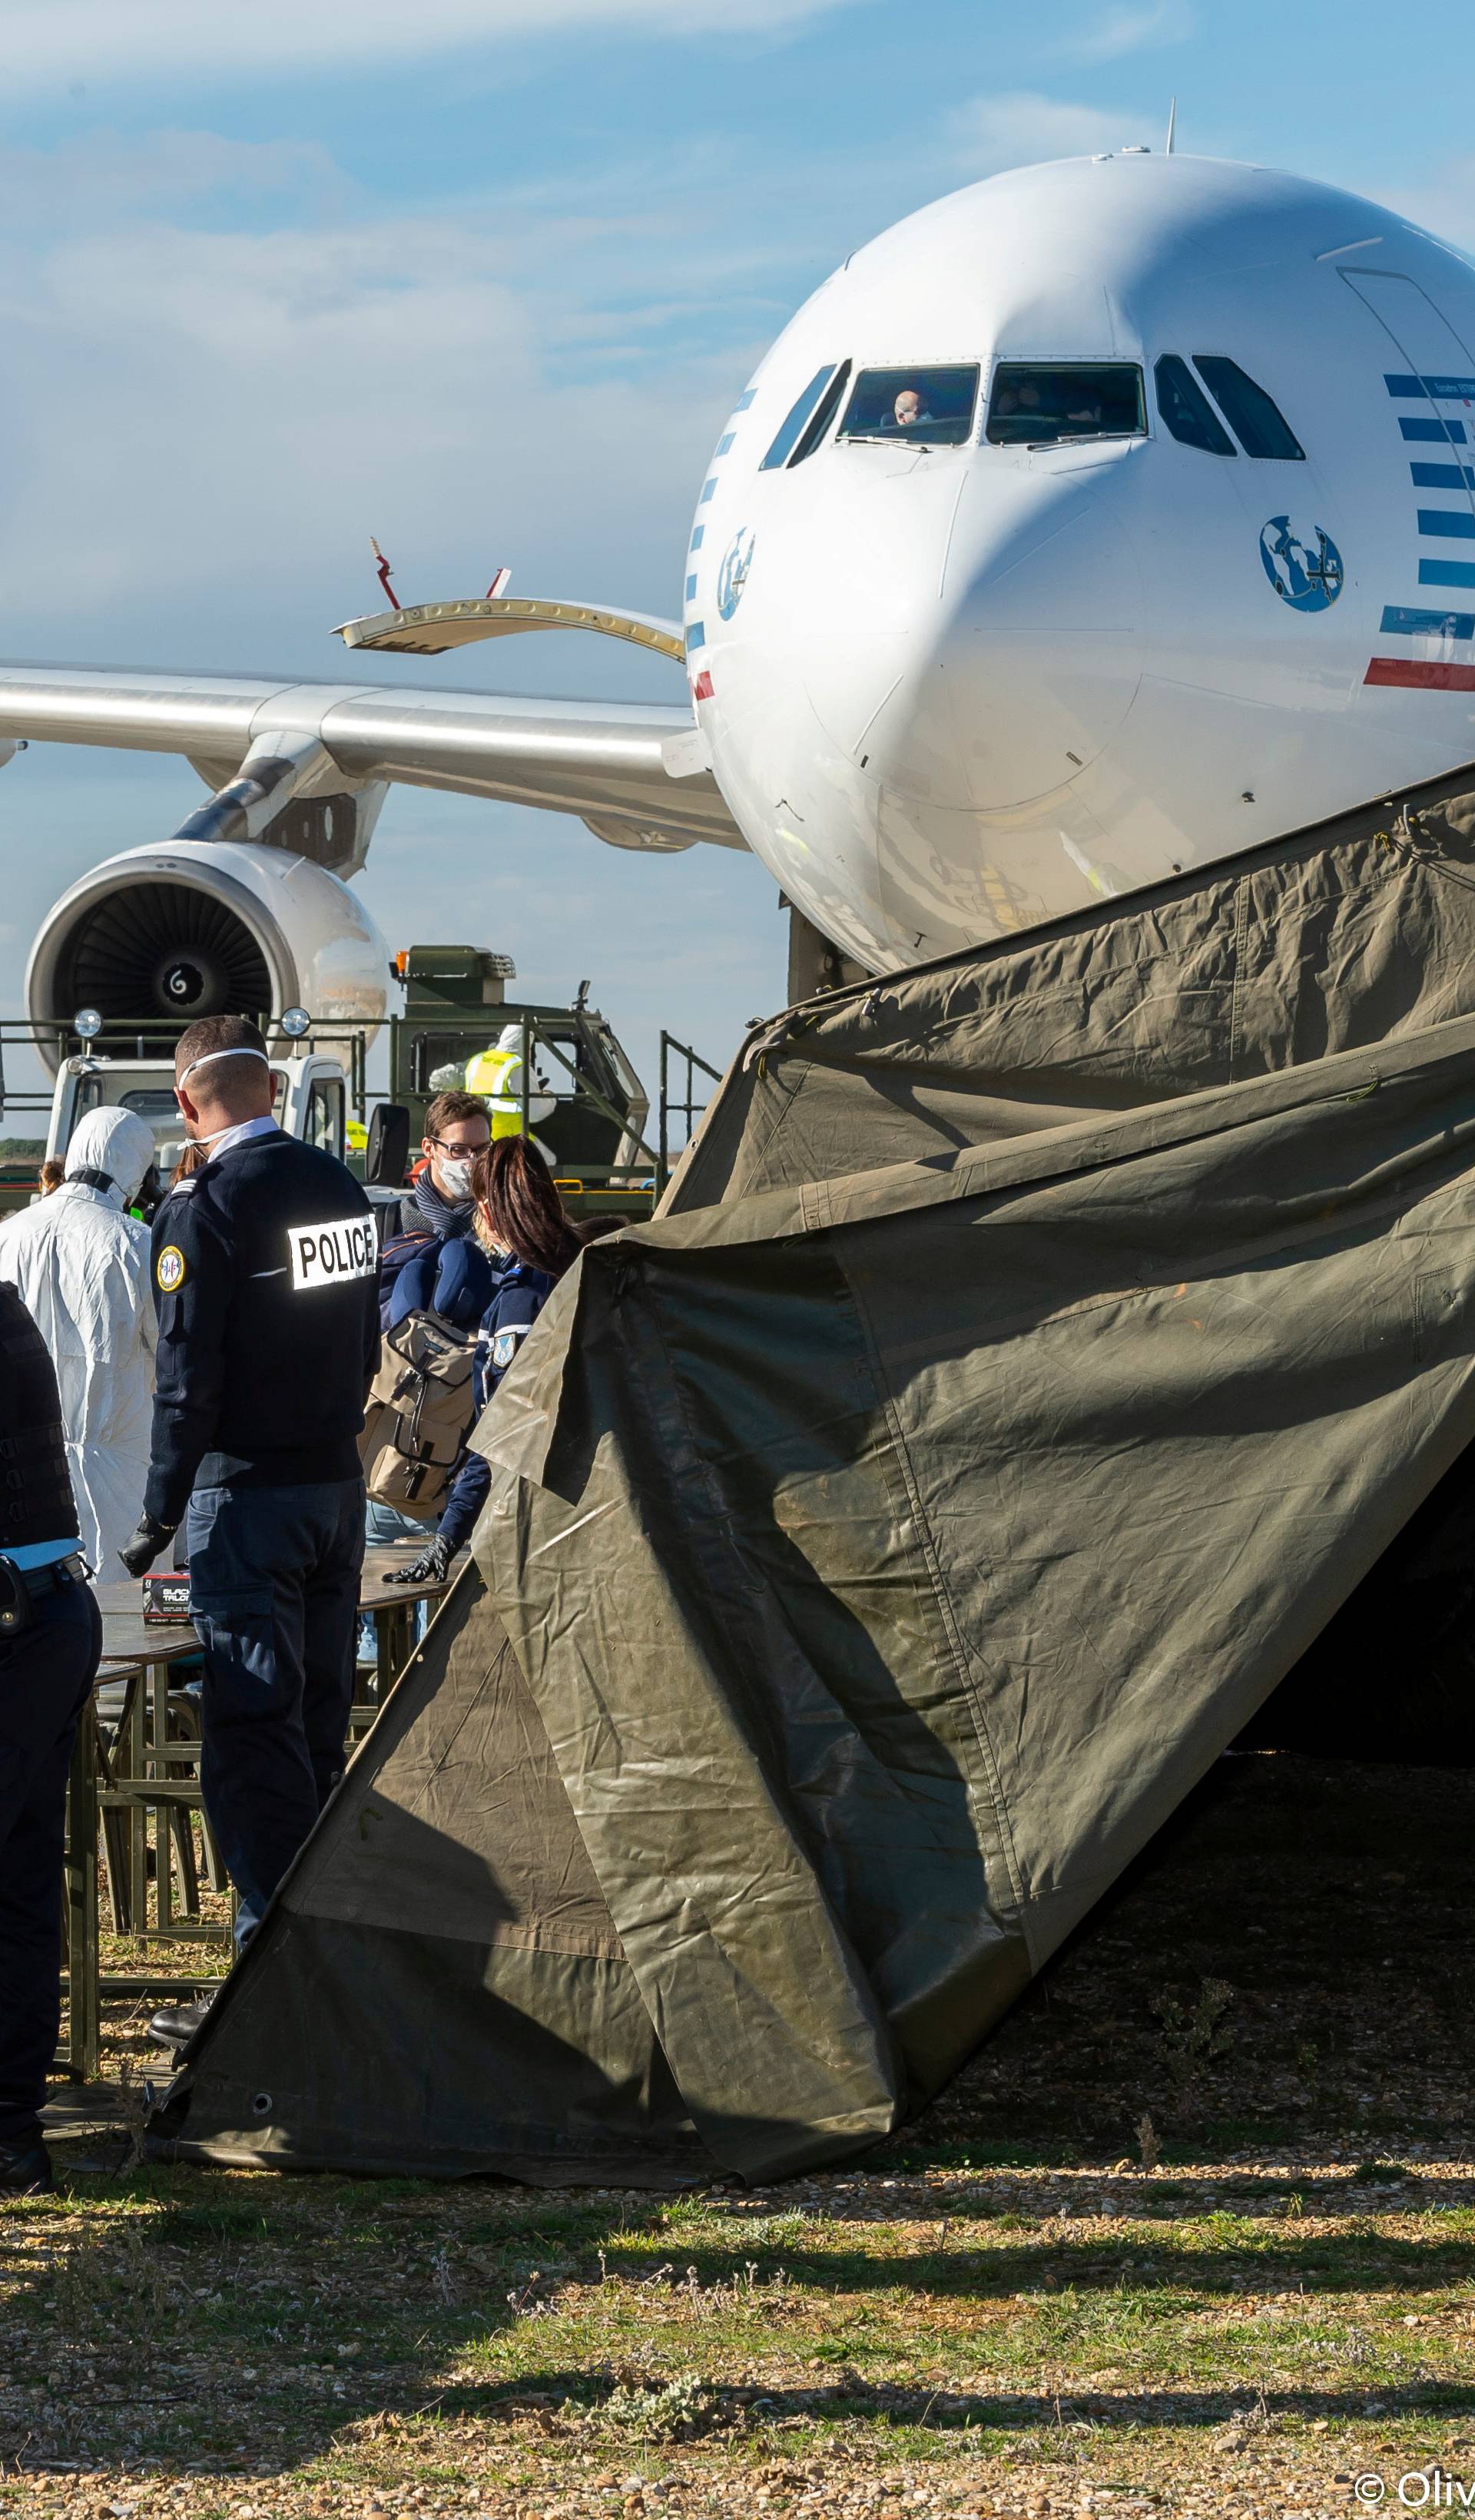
x=1036 y=1351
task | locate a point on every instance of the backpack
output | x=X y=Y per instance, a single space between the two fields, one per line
x=418 y=1415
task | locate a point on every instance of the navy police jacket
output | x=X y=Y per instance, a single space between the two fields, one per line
x=265 y=1268
x=518 y=1295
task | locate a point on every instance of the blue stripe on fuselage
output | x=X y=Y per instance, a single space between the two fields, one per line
x=1443 y=476
x=1431 y=389
x=1447 y=572
x=1407 y=621
x=1444 y=432
x=1451 y=524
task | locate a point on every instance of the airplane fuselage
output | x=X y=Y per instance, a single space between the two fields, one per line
x=1172 y=548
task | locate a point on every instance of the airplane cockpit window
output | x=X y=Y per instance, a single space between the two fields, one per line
x=1042 y=405
x=819 y=427
x=1186 y=411
x=1247 y=407
x=914 y=406
x=784 y=444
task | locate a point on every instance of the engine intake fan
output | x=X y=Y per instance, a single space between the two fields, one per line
x=207 y=928
x=157 y=949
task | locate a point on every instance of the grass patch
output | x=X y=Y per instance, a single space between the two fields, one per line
x=1002 y=2311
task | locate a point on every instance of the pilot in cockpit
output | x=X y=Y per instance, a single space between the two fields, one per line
x=1013 y=398
x=910 y=409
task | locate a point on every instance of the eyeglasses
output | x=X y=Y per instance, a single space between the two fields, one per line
x=450 y=1146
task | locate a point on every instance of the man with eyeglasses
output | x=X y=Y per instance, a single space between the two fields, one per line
x=438 y=1205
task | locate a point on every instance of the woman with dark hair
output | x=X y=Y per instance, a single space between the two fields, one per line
x=528 y=1242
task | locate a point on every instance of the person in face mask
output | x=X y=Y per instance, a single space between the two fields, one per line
x=527 y=1243
x=440 y=1206
x=81 y=1264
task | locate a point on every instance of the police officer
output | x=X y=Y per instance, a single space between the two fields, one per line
x=50 y=1639
x=264 y=1265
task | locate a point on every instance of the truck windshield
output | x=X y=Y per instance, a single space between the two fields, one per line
x=155 y=1103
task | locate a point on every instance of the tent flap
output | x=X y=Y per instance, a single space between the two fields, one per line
x=878 y=1552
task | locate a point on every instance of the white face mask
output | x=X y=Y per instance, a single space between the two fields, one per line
x=456 y=1177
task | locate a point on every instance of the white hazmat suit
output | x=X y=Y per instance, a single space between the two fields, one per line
x=81 y=1265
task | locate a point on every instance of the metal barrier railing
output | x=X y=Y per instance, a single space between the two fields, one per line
x=672 y=1050
x=680 y=1066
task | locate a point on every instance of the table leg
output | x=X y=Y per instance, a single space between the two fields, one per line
x=115 y=1822
x=163 y=1830
x=82 y=1960
x=393 y=1631
x=135 y=1733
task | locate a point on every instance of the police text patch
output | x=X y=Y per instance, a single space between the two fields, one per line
x=324 y=1255
x=170 y=1268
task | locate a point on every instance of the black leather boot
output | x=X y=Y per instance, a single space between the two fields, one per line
x=175 y=2026
x=26 y=2168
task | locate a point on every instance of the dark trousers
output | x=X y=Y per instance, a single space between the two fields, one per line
x=274 y=1588
x=45 y=1674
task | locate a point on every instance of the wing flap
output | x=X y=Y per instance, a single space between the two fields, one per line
x=430 y=629
x=605 y=761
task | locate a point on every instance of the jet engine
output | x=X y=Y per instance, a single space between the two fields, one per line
x=208 y=927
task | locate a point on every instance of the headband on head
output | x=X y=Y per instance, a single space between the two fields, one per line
x=244 y=1052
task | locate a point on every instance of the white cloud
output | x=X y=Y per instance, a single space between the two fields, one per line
x=202 y=425
x=104 y=175
x=1132 y=27
x=207 y=421
x=72 y=43
x=1023 y=129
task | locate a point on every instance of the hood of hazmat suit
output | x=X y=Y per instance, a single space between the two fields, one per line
x=81 y=1265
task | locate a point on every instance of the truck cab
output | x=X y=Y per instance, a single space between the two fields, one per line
x=310 y=1101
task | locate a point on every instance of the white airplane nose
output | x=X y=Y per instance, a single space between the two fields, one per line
x=1033 y=660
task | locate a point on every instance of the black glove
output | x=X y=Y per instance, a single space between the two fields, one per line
x=428 y=1569
x=139 y=1552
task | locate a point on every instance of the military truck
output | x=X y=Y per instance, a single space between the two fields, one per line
x=579 y=1095
x=592 y=1113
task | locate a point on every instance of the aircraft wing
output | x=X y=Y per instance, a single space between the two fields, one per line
x=637 y=776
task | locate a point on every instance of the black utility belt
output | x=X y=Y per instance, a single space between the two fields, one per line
x=22 y=1586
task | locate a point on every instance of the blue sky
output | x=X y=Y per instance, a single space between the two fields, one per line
x=482 y=277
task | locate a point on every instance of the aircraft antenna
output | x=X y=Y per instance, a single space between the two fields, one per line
x=1172 y=125
x=500 y=583
x=381 y=572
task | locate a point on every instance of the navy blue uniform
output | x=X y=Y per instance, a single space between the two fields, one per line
x=47 y=1667
x=265 y=1264
x=518 y=1295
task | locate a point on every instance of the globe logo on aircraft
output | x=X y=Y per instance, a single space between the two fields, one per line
x=732 y=577
x=1305 y=572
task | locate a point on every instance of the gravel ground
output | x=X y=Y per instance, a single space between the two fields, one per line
x=1194 y=2232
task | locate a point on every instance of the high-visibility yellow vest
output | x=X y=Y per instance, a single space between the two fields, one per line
x=490 y=1074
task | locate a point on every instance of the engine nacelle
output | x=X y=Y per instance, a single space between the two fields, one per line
x=204 y=928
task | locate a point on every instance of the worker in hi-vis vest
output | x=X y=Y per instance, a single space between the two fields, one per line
x=496 y=1074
